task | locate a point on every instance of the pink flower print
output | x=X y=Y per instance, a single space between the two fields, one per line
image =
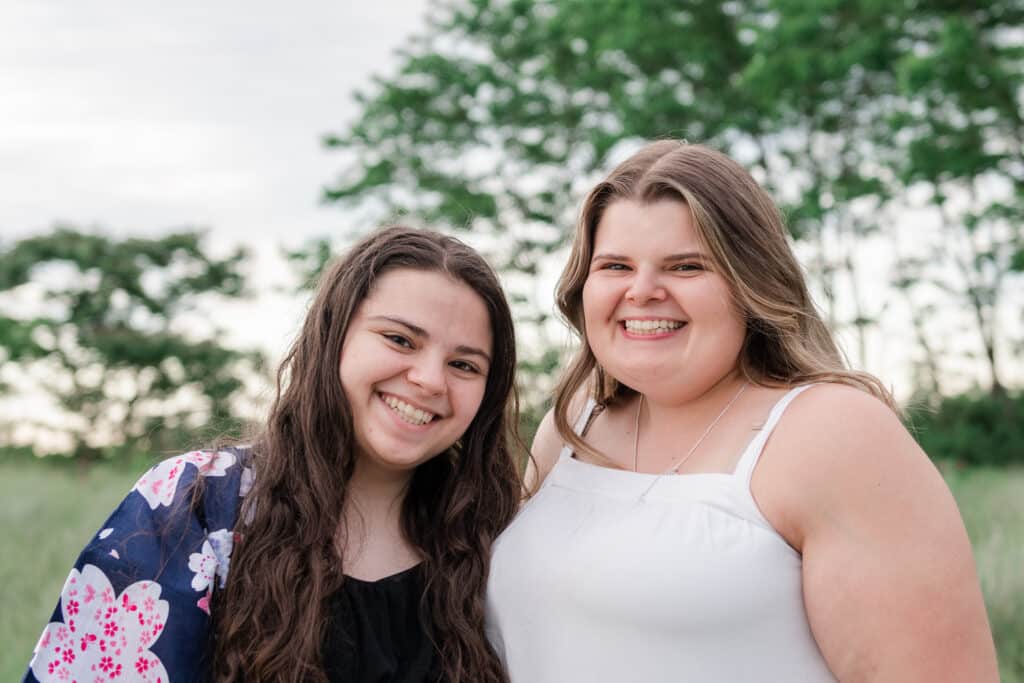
x=113 y=639
x=204 y=602
x=158 y=485
x=72 y=607
x=204 y=564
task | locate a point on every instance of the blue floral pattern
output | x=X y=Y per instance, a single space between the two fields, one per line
x=136 y=605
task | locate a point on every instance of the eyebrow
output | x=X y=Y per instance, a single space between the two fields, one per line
x=423 y=334
x=671 y=257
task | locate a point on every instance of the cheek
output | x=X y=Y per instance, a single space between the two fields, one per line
x=466 y=402
x=731 y=328
x=592 y=303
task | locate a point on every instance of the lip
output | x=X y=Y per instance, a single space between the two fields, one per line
x=382 y=395
x=651 y=337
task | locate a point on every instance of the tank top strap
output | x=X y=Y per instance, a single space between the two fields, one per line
x=581 y=424
x=748 y=461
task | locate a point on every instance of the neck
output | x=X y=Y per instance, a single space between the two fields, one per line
x=376 y=494
x=698 y=407
x=370 y=535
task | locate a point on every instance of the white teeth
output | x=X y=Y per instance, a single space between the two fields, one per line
x=409 y=413
x=652 y=326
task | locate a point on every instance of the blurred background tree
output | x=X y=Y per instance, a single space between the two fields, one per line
x=891 y=134
x=96 y=325
x=853 y=114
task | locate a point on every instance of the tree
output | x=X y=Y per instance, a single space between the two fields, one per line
x=962 y=128
x=506 y=110
x=100 y=329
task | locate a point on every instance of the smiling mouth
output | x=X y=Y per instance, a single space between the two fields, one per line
x=651 y=327
x=406 y=412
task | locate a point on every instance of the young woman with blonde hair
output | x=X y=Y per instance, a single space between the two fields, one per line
x=720 y=498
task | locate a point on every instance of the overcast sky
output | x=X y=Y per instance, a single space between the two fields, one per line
x=142 y=116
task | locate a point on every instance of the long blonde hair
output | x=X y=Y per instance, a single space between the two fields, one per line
x=786 y=343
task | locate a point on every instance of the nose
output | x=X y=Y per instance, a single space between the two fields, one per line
x=645 y=287
x=429 y=375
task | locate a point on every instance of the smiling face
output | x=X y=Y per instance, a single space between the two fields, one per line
x=414 y=367
x=658 y=317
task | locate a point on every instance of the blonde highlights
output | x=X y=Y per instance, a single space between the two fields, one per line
x=786 y=342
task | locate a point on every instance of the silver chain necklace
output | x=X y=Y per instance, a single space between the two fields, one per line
x=674 y=468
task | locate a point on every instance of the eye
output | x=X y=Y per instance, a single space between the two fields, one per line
x=689 y=267
x=612 y=265
x=465 y=366
x=397 y=340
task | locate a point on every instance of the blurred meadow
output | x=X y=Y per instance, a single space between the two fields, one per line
x=171 y=191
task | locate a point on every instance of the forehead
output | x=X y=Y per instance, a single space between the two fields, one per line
x=662 y=223
x=449 y=310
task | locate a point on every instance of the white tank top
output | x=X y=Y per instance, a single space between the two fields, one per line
x=604 y=577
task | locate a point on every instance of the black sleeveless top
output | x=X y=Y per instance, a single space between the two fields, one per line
x=375 y=634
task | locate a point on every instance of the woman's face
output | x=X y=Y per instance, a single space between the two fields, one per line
x=658 y=317
x=414 y=367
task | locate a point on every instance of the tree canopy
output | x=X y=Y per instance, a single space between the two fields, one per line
x=852 y=114
x=98 y=325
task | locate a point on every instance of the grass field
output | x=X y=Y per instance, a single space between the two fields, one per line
x=48 y=513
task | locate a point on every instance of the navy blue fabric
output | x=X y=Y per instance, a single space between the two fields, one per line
x=136 y=605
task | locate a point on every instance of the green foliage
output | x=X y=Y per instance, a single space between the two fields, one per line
x=496 y=114
x=100 y=329
x=973 y=430
x=958 y=116
x=504 y=112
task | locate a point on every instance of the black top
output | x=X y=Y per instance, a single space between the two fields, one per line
x=375 y=634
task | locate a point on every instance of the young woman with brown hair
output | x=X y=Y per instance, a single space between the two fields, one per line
x=721 y=499
x=359 y=523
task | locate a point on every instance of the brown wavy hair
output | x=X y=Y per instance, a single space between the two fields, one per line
x=786 y=342
x=269 y=620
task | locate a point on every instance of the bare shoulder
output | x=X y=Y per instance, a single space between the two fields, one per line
x=836 y=427
x=846 y=485
x=839 y=446
x=548 y=443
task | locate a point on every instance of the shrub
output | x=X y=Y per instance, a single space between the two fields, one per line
x=972 y=429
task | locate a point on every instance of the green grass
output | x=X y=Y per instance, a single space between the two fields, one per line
x=992 y=504
x=49 y=512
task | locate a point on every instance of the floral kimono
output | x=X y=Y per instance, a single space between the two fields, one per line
x=136 y=606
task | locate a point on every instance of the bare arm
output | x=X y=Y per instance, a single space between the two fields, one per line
x=547 y=444
x=889 y=579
